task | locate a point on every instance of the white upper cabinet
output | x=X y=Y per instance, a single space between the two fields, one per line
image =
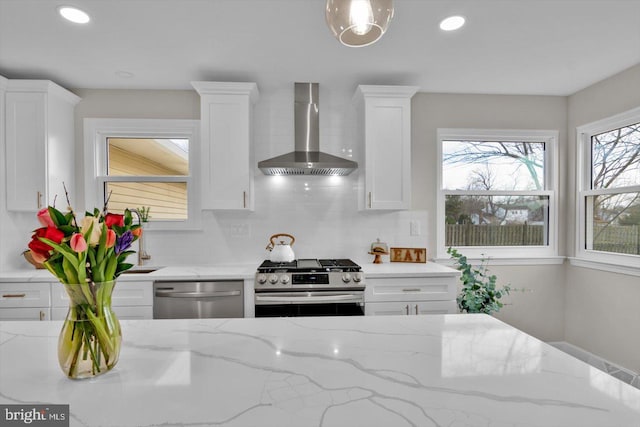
x=226 y=111
x=384 y=126
x=39 y=138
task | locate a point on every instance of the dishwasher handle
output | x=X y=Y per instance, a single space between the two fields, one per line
x=196 y=294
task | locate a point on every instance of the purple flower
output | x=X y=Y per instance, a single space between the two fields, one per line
x=123 y=242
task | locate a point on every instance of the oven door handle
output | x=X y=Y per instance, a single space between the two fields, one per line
x=172 y=294
x=309 y=299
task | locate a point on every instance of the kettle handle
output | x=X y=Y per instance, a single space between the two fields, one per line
x=272 y=242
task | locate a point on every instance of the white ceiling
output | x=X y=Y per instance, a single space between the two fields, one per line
x=551 y=47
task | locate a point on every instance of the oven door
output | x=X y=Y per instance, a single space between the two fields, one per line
x=312 y=303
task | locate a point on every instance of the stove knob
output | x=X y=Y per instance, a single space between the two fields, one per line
x=346 y=277
x=262 y=279
x=273 y=279
x=284 y=279
x=357 y=278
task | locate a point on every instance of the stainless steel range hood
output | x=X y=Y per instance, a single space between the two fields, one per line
x=307 y=158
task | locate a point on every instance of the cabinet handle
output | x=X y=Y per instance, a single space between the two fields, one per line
x=407 y=309
x=14 y=295
x=369 y=199
x=416 y=309
x=411 y=290
x=244 y=199
x=39 y=201
x=41 y=315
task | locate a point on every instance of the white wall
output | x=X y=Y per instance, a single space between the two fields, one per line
x=544 y=284
x=602 y=309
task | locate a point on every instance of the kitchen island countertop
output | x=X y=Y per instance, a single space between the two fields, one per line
x=436 y=370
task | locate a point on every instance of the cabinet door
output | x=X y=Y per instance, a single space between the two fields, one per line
x=33 y=313
x=39 y=143
x=386 y=113
x=26 y=150
x=410 y=308
x=227 y=160
x=122 y=312
x=125 y=294
x=434 y=307
x=387 y=308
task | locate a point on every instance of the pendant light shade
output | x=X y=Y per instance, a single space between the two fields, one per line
x=358 y=23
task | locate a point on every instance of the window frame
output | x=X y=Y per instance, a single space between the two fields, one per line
x=96 y=133
x=617 y=262
x=528 y=253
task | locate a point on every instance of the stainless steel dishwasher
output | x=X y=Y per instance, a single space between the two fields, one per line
x=198 y=299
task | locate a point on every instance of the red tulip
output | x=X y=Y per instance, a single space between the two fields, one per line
x=54 y=234
x=45 y=218
x=39 y=250
x=111 y=238
x=77 y=243
x=111 y=219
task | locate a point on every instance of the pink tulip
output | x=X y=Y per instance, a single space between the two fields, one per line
x=45 y=218
x=111 y=238
x=37 y=257
x=77 y=243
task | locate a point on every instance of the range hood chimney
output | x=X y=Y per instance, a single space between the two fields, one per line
x=307 y=158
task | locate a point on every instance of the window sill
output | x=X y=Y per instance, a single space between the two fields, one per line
x=551 y=260
x=605 y=266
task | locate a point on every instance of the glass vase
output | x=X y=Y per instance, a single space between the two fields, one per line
x=89 y=342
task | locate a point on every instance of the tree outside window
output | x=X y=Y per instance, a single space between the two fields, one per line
x=497 y=190
x=613 y=204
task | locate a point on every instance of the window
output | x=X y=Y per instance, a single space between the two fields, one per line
x=150 y=163
x=609 y=190
x=497 y=192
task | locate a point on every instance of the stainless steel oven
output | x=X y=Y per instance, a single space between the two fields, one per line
x=309 y=287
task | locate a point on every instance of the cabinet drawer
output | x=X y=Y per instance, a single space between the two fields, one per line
x=411 y=289
x=27 y=294
x=30 y=313
x=124 y=294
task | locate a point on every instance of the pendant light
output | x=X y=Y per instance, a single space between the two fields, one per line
x=357 y=23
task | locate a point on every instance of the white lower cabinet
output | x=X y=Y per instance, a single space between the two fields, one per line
x=25 y=301
x=130 y=300
x=411 y=295
x=33 y=313
x=409 y=308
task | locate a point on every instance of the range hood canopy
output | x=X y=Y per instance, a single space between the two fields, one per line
x=307 y=158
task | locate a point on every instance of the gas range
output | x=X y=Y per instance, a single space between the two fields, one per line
x=325 y=274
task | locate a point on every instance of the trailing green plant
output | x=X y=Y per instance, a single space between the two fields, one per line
x=479 y=293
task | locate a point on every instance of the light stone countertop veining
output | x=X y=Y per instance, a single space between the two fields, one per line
x=435 y=370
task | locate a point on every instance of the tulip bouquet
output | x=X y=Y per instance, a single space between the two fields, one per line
x=93 y=251
x=87 y=257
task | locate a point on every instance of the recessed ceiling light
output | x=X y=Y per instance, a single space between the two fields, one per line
x=452 y=23
x=124 y=74
x=74 y=14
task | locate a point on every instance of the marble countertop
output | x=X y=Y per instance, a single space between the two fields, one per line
x=239 y=271
x=436 y=370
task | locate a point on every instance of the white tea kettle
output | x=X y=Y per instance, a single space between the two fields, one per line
x=281 y=251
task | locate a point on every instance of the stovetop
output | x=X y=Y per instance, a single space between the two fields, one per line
x=309 y=265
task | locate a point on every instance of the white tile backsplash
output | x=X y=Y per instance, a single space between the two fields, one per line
x=321 y=212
